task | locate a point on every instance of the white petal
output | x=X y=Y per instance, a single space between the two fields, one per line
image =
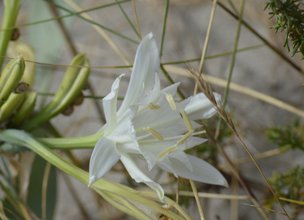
x=171 y=89
x=201 y=171
x=152 y=95
x=199 y=106
x=151 y=150
x=146 y=64
x=164 y=120
x=182 y=158
x=166 y=165
x=127 y=140
x=192 y=142
x=109 y=103
x=102 y=159
x=140 y=177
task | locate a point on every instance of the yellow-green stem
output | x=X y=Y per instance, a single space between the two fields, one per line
x=11 y=9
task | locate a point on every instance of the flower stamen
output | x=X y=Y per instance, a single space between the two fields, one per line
x=187 y=121
x=171 y=101
x=184 y=138
x=153 y=106
x=167 y=151
x=154 y=133
x=188 y=124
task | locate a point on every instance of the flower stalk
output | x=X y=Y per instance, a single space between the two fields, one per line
x=11 y=10
x=121 y=197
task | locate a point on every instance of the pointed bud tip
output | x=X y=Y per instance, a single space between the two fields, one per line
x=92 y=180
x=150 y=35
x=225 y=183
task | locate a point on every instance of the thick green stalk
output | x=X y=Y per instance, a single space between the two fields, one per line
x=112 y=191
x=11 y=9
x=71 y=143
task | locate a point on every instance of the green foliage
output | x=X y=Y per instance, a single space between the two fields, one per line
x=291 y=136
x=42 y=192
x=38 y=195
x=289 y=17
x=10 y=210
x=290 y=184
x=12 y=204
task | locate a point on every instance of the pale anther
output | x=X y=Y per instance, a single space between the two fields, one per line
x=184 y=138
x=153 y=106
x=187 y=121
x=171 y=101
x=154 y=133
x=167 y=151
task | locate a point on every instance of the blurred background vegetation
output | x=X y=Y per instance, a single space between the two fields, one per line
x=249 y=52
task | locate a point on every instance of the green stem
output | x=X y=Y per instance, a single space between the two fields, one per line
x=164 y=28
x=71 y=143
x=234 y=52
x=267 y=43
x=70 y=14
x=231 y=66
x=99 y=25
x=11 y=10
x=170 y=79
x=101 y=186
x=128 y=19
x=228 y=53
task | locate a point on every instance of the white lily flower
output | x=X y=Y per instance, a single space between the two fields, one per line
x=150 y=125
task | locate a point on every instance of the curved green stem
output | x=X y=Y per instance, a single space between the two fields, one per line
x=113 y=192
x=72 y=142
x=11 y=10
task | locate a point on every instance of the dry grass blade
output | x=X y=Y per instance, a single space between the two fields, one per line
x=205 y=88
x=102 y=33
x=241 y=89
x=197 y=199
x=214 y=195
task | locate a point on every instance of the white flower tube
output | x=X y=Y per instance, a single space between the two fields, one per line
x=150 y=125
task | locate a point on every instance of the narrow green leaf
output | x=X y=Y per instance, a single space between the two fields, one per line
x=42 y=189
x=10 y=211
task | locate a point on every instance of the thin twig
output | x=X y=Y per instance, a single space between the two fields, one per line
x=128 y=19
x=241 y=89
x=214 y=196
x=100 y=31
x=234 y=204
x=98 y=24
x=273 y=48
x=164 y=28
x=67 y=15
x=234 y=52
x=136 y=18
x=74 y=52
x=197 y=199
x=204 y=87
x=204 y=51
x=231 y=65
